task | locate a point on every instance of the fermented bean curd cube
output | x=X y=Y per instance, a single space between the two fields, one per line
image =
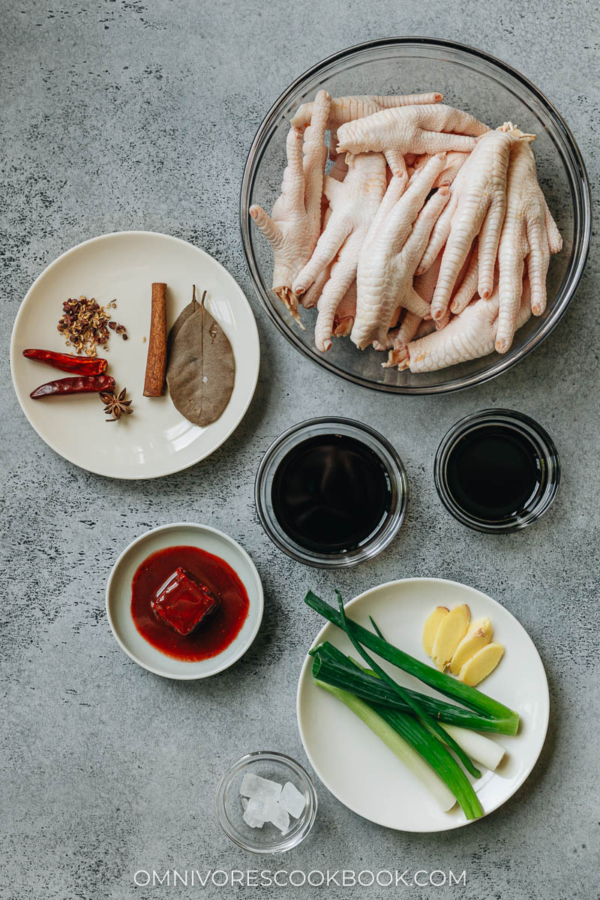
x=183 y=603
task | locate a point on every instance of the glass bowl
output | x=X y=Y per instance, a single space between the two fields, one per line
x=395 y=476
x=268 y=839
x=494 y=93
x=545 y=451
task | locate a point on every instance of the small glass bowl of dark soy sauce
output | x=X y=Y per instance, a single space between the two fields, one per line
x=331 y=492
x=497 y=471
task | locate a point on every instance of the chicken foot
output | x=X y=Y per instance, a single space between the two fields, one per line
x=391 y=253
x=345 y=313
x=480 y=206
x=294 y=226
x=347 y=109
x=354 y=203
x=400 y=338
x=428 y=129
x=529 y=234
x=470 y=335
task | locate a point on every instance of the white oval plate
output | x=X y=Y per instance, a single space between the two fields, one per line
x=118 y=599
x=353 y=763
x=156 y=440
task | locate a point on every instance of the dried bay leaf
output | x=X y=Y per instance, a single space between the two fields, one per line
x=201 y=368
x=181 y=319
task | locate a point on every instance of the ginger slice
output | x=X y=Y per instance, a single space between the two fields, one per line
x=430 y=629
x=479 y=666
x=450 y=633
x=478 y=635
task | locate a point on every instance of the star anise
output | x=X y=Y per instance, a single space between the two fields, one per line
x=115 y=405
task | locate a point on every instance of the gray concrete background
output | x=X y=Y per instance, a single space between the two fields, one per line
x=119 y=115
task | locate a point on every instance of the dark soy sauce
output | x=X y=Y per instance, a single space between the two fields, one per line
x=494 y=473
x=331 y=493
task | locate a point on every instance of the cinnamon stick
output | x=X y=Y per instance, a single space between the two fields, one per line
x=156 y=363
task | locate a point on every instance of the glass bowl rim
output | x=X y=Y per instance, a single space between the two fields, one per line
x=308 y=816
x=523 y=421
x=582 y=234
x=379 y=541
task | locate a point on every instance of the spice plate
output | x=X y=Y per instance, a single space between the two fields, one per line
x=359 y=769
x=119 y=597
x=156 y=439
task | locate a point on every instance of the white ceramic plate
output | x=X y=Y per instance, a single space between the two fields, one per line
x=156 y=440
x=118 y=599
x=353 y=763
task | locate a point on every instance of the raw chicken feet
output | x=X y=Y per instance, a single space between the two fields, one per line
x=411 y=129
x=345 y=313
x=468 y=336
x=391 y=253
x=400 y=338
x=478 y=209
x=529 y=233
x=429 y=239
x=354 y=203
x=347 y=109
x=294 y=227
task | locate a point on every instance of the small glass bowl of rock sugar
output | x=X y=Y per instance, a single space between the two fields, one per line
x=266 y=803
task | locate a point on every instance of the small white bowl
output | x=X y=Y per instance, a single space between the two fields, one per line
x=118 y=599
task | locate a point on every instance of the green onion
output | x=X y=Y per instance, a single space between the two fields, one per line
x=481 y=749
x=438 y=757
x=335 y=668
x=376 y=628
x=487 y=752
x=398 y=745
x=476 y=746
x=443 y=683
x=426 y=721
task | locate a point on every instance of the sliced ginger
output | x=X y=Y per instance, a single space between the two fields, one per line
x=450 y=633
x=430 y=629
x=478 y=635
x=462 y=646
x=479 y=666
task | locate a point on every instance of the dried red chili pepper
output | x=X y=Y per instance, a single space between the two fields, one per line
x=67 y=362
x=78 y=385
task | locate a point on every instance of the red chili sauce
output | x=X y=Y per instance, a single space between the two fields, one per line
x=216 y=631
